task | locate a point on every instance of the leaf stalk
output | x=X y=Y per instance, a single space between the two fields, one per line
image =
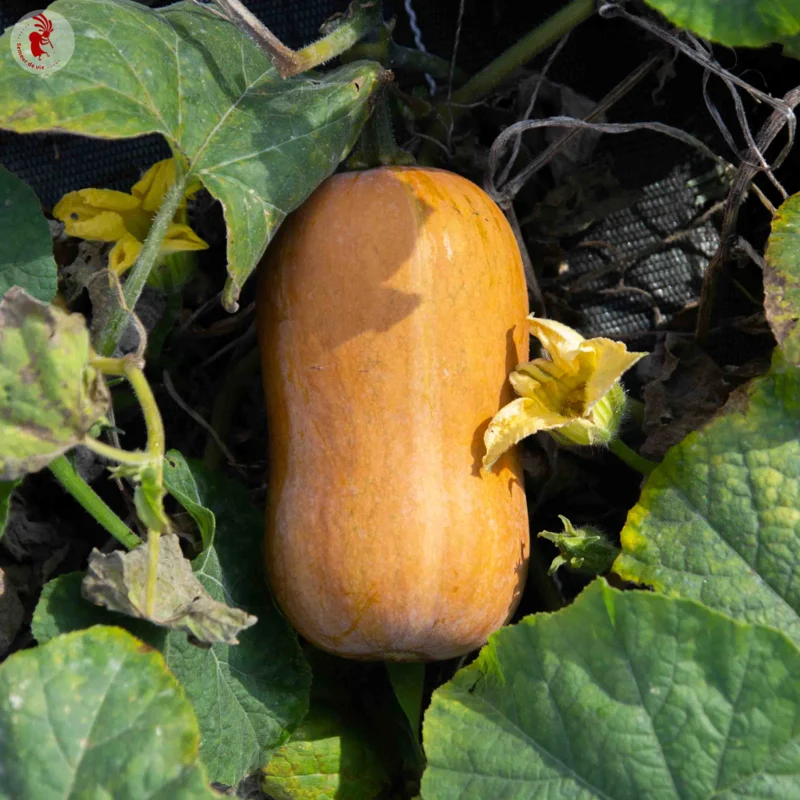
x=631 y=457
x=91 y=502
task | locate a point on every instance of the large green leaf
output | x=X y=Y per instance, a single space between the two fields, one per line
x=620 y=696
x=782 y=277
x=736 y=23
x=49 y=394
x=328 y=758
x=26 y=255
x=259 y=143
x=248 y=697
x=719 y=520
x=96 y=714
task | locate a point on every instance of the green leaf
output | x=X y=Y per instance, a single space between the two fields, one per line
x=249 y=697
x=26 y=258
x=117 y=581
x=6 y=491
x=408 y=682
x=49 y=395
x=782 y=278
x=623 y=696
x=96 y=714
x=180 y=483
x=327 y=758
x=719 y=520
x=736 y=23
x=260 y=144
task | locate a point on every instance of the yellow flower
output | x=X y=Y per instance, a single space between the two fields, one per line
x=575 y=394
x=103 y=215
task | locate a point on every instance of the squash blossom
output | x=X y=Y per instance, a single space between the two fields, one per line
x=103 y=215
x=575 y=394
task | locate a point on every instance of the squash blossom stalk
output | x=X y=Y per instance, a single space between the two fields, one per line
x=574 y=394
x=104 y=215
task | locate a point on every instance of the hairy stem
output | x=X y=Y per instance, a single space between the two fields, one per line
x=133 y=458
x=361 y=17
x=377 y=146
x=156 y=447
x=499 y=70
x=152 y=416
x=134 y=283
x=630 y=457
x=66 y=475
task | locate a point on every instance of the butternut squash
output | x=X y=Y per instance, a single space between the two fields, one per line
x=391 y=309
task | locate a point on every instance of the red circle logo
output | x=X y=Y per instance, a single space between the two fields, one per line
x=42 y=42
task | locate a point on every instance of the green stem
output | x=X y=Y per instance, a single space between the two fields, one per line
x=134 y=458
x=395 y=56
x=499 y=70
x=156 y=447
x=414 y=60
x=135 y=282
x=156 y=441
x=630 y=457
x=362 y=17
x=66 y=475
x=376 y=145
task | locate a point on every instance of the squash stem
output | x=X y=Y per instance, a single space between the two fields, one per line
x=377 y=146
x=499 y=70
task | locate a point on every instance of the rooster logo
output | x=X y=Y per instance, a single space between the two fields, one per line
x=40 y=38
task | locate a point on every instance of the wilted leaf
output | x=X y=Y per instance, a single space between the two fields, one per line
x=719 y=520
x=49 y=395
x=117 y=582
x=26 y=255
x=180 y=483
x=683 y=389
x=96 y=714
x=247 y=697
x=782 y=277
x=327 y=758
x=260 y=144
x=736 y=23
x=6 y=491
x=623 y=695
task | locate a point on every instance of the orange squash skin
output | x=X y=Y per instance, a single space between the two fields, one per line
x=391 y=309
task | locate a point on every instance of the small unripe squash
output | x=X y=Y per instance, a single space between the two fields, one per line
x=391 y=309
